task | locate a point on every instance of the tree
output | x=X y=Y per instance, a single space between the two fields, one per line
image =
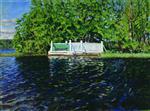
x=123 y=25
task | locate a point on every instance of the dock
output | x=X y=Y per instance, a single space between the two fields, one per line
x=75 y=48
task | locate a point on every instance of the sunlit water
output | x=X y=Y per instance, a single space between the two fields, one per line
x=74 y=84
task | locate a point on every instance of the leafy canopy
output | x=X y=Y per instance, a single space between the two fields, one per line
x=123 y=25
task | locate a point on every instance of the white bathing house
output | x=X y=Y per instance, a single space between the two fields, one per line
x=75 y=48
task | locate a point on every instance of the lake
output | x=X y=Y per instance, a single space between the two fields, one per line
x=7 y=51
x=74 y=84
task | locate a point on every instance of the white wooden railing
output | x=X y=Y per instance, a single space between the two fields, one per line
x=83 y=47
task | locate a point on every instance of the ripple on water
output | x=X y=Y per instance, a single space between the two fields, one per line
x=42 y=84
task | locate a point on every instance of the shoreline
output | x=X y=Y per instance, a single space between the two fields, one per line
x=102 y=55
x=125 y=55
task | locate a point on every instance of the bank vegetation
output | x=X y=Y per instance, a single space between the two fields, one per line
x=123 y=25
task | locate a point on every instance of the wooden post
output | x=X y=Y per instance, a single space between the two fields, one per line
x=51 y=49
x=70 y=46
x=81 y=43
x=102 y=46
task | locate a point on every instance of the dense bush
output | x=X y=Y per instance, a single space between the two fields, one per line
x=6 y=44
x=122 y=25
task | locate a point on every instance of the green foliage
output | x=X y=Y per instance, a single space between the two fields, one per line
x=122 y=25
x=5 y=44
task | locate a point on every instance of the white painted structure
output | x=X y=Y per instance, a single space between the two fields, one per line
x=78 y=48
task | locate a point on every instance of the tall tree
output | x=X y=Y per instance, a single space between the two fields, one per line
x=123 y=25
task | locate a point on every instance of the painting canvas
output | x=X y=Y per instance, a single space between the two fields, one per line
x=74 y=55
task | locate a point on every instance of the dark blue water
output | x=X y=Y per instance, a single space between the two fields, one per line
x=74 y=84
x=7 y=51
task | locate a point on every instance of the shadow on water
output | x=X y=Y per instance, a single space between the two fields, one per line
x=42 y=84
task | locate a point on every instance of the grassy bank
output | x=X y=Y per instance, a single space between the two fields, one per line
x=20 y=55
x=125 y=55
x=103 y=55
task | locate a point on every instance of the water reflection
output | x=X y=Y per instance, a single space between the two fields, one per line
x=42 y=84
